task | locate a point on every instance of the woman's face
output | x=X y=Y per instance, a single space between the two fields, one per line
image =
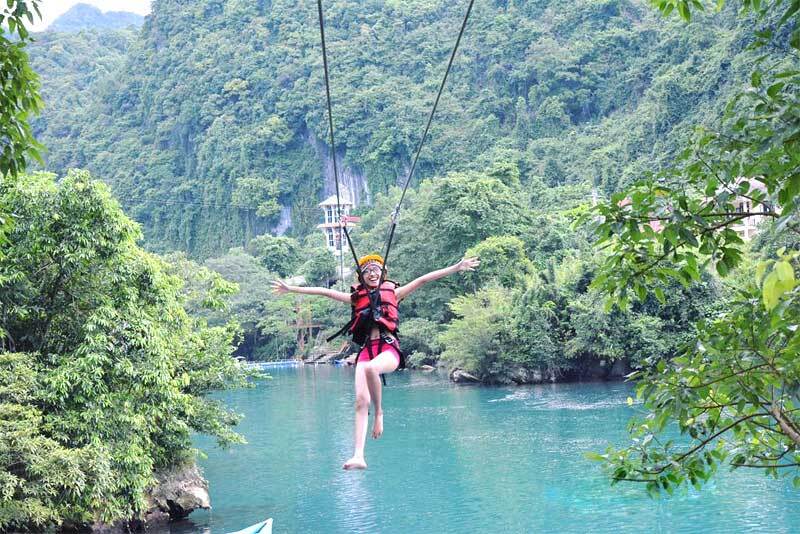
x=372 y=275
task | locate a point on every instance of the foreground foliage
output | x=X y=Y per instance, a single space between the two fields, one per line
x=19 y=97
x=732 y=394
x=19 y=92
x=102 y=373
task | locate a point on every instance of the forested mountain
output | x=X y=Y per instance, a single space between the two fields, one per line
x=73 y=68
x=86 y=17
x=217 y=108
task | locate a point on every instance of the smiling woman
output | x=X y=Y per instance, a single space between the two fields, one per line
x=373 y=324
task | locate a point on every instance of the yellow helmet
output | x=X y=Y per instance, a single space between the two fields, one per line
x=370 y=258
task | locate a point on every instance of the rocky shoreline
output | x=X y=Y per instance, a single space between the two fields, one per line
x=596 y=370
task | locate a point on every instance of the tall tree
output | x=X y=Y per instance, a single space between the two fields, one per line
x=19 y=96
x=733 y=392
x=103 y=375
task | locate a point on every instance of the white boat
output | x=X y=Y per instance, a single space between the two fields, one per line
x=265 y=527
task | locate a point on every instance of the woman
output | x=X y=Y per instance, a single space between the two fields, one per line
x=375 y=325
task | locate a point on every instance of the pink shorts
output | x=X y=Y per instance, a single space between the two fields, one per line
x=373 y=344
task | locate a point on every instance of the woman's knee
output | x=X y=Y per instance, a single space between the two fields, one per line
x=362 y=400
x=370 y=370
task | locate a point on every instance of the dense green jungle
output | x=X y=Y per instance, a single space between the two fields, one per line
x=203 y=143
x=215 y=112
x=591 y=153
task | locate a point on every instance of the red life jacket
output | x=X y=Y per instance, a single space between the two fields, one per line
x=370 y=309
x=377 y=307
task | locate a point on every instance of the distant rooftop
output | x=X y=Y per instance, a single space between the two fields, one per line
x=344 y=195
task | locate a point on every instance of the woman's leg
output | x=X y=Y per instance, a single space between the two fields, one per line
x=383 y=363
x=362 y=414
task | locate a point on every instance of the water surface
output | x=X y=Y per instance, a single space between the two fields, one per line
x=454 y=459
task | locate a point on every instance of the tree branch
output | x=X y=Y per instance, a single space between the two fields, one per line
x=786 y=424
x=722 y=183
x=703 y=443
x=768 y=466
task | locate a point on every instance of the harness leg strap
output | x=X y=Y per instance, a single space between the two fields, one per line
x=380 y=349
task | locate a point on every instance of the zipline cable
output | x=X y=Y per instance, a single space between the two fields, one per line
x=396 y=211
x=343 y=227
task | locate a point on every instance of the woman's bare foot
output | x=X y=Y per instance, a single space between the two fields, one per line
x=356 y=462
x=377 y=426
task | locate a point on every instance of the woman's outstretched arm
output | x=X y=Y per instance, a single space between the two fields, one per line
x=280 y=287
x=467 y=264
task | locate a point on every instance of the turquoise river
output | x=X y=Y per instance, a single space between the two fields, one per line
x=455 y=459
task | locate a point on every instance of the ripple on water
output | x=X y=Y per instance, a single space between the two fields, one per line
x=545 y=398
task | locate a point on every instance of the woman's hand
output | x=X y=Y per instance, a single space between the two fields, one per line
x=280 y=287
x=468 y=264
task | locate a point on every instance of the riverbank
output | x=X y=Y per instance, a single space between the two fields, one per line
x=587 y=370
x=590 y=371
x=178 y=492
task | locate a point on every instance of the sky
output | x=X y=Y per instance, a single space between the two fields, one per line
x=51 y=9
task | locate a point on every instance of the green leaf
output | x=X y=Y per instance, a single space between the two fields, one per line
x=688 y=236
x=659 y=293
x=683 y=10
x=794 y=41
x=775 y=287
x=785 y=272
x=761 y=268
x=775 y=88
x=641 y=292
x=789 y=12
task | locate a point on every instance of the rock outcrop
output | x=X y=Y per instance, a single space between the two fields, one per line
x=178 y=492
x=460 y=376
x=597 y=369
x=591 y=370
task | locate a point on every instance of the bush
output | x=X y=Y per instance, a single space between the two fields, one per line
x=420 y=335
x=103 y=375
x=475 y=340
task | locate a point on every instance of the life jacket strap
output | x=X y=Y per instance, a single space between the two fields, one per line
x=340 y=332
